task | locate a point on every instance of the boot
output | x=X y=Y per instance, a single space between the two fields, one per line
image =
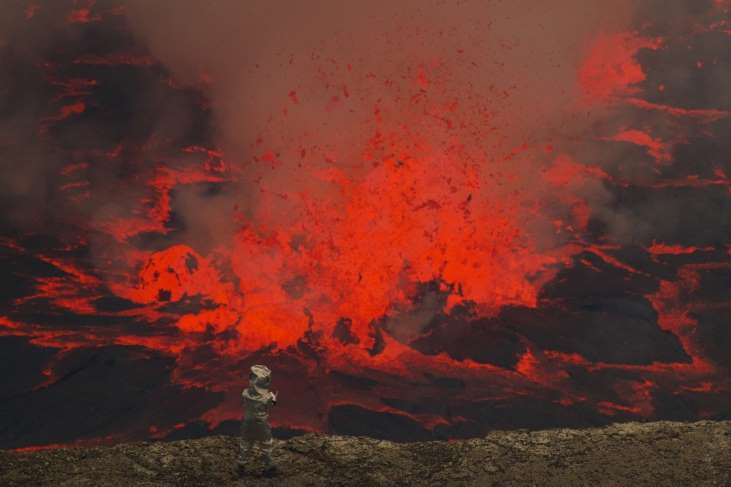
x=270 y=471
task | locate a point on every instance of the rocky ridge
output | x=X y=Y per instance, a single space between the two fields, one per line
x=636 y=454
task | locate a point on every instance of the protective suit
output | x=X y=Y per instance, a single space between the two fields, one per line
x=256 y=435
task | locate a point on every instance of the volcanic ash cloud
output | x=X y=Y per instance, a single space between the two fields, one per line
x=381 y=144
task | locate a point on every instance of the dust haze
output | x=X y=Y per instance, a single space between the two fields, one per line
x=300 y=83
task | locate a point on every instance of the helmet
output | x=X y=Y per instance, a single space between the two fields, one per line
x=260 y=377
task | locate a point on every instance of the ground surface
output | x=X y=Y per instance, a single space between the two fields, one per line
x=653 y=454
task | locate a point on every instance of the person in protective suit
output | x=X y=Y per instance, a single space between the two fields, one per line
x=256 y=435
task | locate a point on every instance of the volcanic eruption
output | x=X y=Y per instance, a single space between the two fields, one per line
x=430 y=219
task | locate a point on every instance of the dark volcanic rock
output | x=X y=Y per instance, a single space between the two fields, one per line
x=96 y=392
x=481 y=340
x=23 y=362
x=652 y=454
x=714 y=330
x=348 y=419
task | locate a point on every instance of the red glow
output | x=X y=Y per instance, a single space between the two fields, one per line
x=65 y=112
x=708 y=115
x=9 y=324
x=82 y=12
x=83 y=16
x=50 y=446
x=663 y=249
x=656 y=148
x=611 y=69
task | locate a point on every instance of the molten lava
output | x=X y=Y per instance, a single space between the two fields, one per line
x=446 y=268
